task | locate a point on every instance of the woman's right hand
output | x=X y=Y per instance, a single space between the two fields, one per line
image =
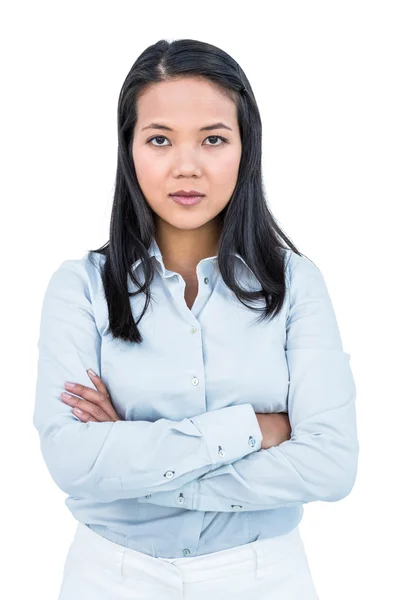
x=275 y=428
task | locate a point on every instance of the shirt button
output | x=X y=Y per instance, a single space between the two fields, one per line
x=195 y=381
x=236 y=506
x=194 y=329
x=252 y=441
x=220 y=451
x=180 y=499
x=186 y=552
x=206 y=280
x=169 y=474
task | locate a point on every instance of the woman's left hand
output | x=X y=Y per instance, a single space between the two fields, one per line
x=96 y=405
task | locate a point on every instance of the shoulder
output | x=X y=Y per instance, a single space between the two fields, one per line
x=83 y=274
x=304 y=278
x=301 y=268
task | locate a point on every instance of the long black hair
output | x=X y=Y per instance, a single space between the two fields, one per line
x=248 y=227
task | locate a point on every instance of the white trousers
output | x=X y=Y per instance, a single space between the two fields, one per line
x=270 y=569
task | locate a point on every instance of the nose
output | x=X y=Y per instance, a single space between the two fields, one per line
x=186 y=160
x=186 y=168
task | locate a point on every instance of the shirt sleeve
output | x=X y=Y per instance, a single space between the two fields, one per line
x=107 y=461
x=320 y=460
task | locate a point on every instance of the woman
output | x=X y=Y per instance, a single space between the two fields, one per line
x=187 y=460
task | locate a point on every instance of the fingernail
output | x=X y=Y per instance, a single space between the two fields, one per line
x=92 y=372
x=69 y=384
x=78 y=410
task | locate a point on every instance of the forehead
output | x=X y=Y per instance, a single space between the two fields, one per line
x=185 y=99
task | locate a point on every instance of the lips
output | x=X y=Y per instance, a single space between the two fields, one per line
x=186 y=200
x=187 y=193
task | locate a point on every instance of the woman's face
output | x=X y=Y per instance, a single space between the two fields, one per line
x=184 y=157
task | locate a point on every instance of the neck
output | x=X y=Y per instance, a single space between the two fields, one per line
x=182 y=250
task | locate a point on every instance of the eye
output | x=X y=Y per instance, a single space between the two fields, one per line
x=157 y=137
x=162 y=137
x=216 y=137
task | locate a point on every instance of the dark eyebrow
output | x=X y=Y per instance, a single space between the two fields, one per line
x=206 y=128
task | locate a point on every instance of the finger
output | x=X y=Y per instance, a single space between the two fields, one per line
x=83 y=391
x=95 y=397
x=100 y=385
x=92 y=409
x=98 y=382
x=83 y=416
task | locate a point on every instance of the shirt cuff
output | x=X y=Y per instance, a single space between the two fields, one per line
x=230 y=433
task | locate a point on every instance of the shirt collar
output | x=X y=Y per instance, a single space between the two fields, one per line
x=154 y=251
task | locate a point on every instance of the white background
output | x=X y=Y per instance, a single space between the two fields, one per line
x=326 y=79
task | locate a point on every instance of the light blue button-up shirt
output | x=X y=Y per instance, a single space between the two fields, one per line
x=183 y=474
